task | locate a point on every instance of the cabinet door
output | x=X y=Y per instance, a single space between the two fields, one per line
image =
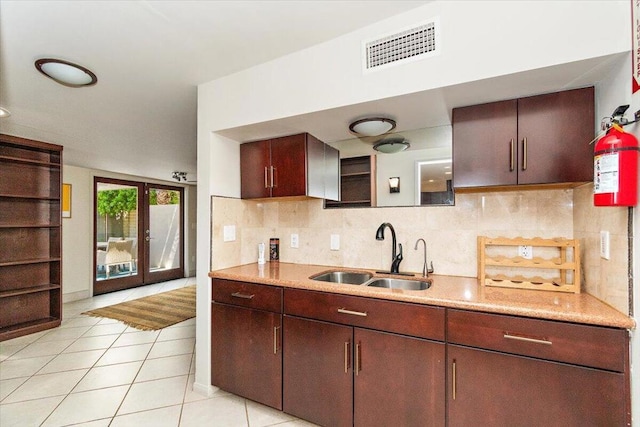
x=318 y=379
x=557 y=128
x=246 y=353
x=255 y=163
x=398 y=380
x=288 y=158
x=493 y=389
x=485 y=144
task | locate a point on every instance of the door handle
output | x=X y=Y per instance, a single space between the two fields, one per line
x=524 y=154
x=266 y=182
x=357 y=361
x=353 y=313
x=274 y=177
x=275 y=339
x=346 y=357
x=453 y=379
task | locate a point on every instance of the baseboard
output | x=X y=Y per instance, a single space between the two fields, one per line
x=204 y=389
x=75 y=296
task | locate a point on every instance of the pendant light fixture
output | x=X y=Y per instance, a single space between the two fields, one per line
x=66 y=73
x=372 y=126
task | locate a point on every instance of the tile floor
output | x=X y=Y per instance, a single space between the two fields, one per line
x=99 y=372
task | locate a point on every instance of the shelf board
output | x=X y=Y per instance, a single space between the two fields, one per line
x=29 y=261
x=346 y=175
x=29 y=226
x=30 y=161
x=25 y=328
x=30 y=197
x=30 y=290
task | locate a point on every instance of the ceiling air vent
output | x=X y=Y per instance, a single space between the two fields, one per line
x=415 y=43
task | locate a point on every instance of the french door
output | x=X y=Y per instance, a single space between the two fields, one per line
x=138 y=234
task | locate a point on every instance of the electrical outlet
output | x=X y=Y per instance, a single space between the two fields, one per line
x=525 y=252
x=229 y=233
x=605 y=246
x=294 y=241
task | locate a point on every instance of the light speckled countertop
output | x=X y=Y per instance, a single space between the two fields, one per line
x=446 y=291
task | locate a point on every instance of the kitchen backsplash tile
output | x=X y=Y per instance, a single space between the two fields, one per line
x=450 y=232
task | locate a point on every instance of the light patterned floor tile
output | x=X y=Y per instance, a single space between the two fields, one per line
x=133 y=338
x=42 y=349
x=126 y=354
x=22 y=367
x=172 y=348
x=153 y=369
x=154 y=394
x=163 y=417
x=72 y=361
x=8 y=386
x=262 y=416
x=109 y=376
x=87 y=406
x=41 y=386
x=105 y=329
x=91 y=343
x=29 y=413
x=217 y=411
x=63 y=334
x=176 y=334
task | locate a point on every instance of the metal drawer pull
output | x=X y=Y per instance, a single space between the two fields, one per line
x=354 y=313
x=346 y=357
x=243 y=296
x=357 y=359
x=275 y=339
x=266 y=182
x=532 y=340
x=453 y=379
x=524 y=154
x=513 y=157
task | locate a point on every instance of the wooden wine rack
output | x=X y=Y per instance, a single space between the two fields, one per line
x=567 y=260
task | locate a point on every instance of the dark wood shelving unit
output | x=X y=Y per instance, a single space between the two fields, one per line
x=357 y=183
x=31 y=236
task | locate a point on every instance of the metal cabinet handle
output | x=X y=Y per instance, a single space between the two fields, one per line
x=243 y=296
x=525 y=339
x=358 y=361
x=275 y=339
x=453 y=379
x=266 y=179
x=524 y=154
x=512 y=157
x=346 y=357
x=353 y=313
x=274 y=177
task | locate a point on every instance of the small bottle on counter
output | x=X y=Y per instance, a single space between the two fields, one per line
x=274 y=249
x=261 y=258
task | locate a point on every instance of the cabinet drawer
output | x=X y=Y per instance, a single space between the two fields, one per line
x=251 y=295
x=402 y=318
x=595 y=346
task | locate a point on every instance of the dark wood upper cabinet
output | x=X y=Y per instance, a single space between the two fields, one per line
x=540 y=139
x=295 y=165
x=30 y=236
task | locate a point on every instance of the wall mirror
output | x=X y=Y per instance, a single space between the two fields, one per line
x=424 y=170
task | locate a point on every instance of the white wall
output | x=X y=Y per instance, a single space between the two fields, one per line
x=77 y=231
x=481 y=39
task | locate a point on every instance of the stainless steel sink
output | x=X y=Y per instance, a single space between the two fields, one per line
x=347 y=277
x=410 y=285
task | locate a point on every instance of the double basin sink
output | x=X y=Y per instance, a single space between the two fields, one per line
x=367 y=279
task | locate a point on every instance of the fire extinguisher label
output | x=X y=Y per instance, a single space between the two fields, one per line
x=605 y=173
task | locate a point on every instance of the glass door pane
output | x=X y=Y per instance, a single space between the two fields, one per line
x=117 y=227
x=163 y=234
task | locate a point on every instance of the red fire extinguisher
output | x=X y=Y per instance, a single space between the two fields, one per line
x=615 y=168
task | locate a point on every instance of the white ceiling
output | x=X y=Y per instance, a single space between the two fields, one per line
x=149 y=57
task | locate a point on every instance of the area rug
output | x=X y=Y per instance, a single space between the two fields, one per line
x=153 y=312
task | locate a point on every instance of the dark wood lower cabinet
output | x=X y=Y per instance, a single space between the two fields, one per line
x=246 y=353
x=318 y=379
x=398 y=380
x=337 y=375
x=495 y=389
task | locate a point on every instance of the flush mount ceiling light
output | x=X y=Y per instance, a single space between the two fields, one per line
x=66 y=73
x=4 y=113
x=393 y=144
x=372 y=126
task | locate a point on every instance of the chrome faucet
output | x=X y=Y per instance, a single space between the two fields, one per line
x=425 y=270
x=396 y=258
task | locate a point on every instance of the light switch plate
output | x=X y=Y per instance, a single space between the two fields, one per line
x=295 y=242
x=605 y=245
x=229 y=233
x=335 y=242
